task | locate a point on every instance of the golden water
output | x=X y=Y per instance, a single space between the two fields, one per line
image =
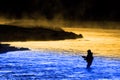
x=102 y=42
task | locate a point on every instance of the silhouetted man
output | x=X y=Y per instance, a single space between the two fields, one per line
x=88 y=58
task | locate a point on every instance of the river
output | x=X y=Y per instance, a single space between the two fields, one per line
x=61 y=60
x=51 y=65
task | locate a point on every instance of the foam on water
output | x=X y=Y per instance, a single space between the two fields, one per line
x=48 y=65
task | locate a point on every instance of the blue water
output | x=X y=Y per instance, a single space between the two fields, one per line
x=47 y=65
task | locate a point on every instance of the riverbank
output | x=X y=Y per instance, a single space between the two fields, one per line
x=7 y=48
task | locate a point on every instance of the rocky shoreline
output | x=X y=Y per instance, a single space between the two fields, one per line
x=7 y=48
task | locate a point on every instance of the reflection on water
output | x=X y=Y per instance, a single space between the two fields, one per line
x=45 y=65
x=102 y=42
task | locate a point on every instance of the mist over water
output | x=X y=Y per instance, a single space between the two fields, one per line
x=102 y=42
x=60 y=22
x=102 y=37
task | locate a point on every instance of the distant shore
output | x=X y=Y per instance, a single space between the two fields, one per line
x=36 y=33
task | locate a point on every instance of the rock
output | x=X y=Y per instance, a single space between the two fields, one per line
x=6 y=48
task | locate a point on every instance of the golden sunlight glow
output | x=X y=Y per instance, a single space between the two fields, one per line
x=101 y=41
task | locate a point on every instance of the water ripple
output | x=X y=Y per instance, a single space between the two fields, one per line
x=43 y=65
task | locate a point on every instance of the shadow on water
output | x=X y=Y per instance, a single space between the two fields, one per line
x=46 y=65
